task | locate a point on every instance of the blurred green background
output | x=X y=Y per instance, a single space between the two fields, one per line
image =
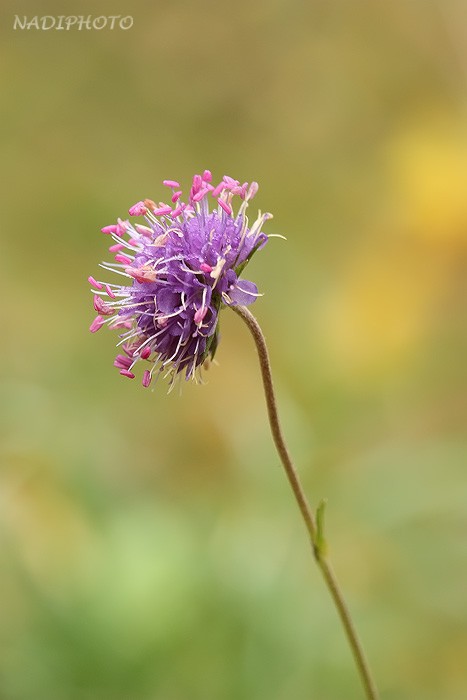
x=149 y=546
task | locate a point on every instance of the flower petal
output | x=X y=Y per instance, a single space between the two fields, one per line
x=243 y=293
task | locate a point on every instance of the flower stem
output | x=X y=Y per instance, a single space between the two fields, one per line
x=314 y=523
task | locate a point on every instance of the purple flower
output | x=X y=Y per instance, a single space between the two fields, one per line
x=182 y=267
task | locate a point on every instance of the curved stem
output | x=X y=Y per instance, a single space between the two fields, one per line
x=313 y=523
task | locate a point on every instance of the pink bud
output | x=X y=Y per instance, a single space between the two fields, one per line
x=229 y=182
x=226 y=207
x=199 y=195
x=147 y=378
x=138 y=209
x=128 y=349
x=217 y=190
x=141 y=274
x=120 y=323
x=101 y=307
x=254 y=187
x=110 y=229
x=171 y=183
x=123 y=259
x=95 y=283
x=163 y=209
x=122 y=362
x=143 y=230
x=197 y=183
x=121 y=227
x=96 y=324
x=127 y=373
x=200 y=314
x=115 y=248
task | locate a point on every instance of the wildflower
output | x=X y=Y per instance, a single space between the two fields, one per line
x=181 y=268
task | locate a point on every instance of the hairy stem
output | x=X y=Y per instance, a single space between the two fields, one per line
x=313 y=523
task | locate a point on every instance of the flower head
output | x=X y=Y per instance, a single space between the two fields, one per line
x=181 y=267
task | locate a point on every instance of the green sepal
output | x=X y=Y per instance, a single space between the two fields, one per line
x=239 y=269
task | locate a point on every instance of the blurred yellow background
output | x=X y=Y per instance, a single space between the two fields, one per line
x=149 y=546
